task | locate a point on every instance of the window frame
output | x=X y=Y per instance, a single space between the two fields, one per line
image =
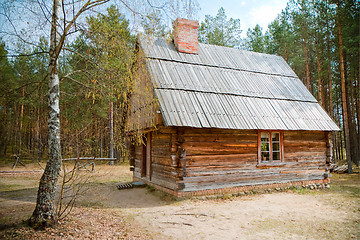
x=281 y=147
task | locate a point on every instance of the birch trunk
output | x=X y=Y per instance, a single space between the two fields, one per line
x=44 y=214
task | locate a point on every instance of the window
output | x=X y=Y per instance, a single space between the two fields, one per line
x=270 y=146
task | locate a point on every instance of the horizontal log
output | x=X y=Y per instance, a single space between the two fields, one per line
x=167 y=130
x=165 y=176
x=218 y=169
x=202 y=131
x=258 y=172
x=303 y=172
x=304 y=136
x=300 y=140
x=256 y=169
x=160 y=151
x=194 y=150
x=221 y=138
x=191 y=187
x=164 y=169
x=220 y=146
x=159 y=135
x=304 y=154
x=303 y=144
x=249 y=179
x=300 y=150
x=161 y=160
x=89 y=158
x=230 y=172
x=164 y=182
x=201 y=160
x=160 y=142
x=315 y=160
x=223 y=178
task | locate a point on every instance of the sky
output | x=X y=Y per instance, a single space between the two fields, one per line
x=250 y=12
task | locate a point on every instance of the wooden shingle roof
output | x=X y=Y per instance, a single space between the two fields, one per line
x=229 y=88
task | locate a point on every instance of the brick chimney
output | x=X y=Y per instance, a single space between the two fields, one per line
x=186 y=35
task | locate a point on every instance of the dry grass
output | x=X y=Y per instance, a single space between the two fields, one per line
x=18 y=196
x=103 y=212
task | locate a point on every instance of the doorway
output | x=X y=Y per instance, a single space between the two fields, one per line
x=146 y=156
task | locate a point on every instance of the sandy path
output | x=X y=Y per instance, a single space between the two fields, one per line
x=286 y=215
x=278 y=215
x=268 y=216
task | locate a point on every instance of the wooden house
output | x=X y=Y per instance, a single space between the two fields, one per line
x=220 y=120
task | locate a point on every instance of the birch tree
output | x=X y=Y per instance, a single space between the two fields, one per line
x=44 y=214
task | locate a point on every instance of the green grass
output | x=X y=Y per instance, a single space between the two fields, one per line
x=306 y=228
x=347 y=184
x=91 y=204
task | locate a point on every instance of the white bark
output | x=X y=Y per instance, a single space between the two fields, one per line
x=44 y=214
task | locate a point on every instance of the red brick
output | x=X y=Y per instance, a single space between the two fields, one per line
x=186 y=35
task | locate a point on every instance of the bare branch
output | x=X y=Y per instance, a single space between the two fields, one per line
x=80 y=83
x=24 y=55
x=83 y=56
x=86 y=6
x=132 y=10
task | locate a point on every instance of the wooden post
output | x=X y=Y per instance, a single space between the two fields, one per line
x=181 y=154
x=329 y=146
x=17 y=160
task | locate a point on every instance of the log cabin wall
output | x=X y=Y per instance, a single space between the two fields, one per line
x=191 y=159
x=163 y=158
x=217 y=158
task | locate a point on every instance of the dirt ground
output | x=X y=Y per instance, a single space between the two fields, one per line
x=104 y=212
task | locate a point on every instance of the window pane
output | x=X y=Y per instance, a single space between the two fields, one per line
x=265 y=146
x=276 y=146
x=270 y=152
x=275 y=136
x=276 y=156
x=265 y=137
x=265 y=156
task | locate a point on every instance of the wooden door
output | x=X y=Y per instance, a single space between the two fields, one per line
x=146 y=157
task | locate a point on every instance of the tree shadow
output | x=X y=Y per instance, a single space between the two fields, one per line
x=97 y=195
x=108 y=196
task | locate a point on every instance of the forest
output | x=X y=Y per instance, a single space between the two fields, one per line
x=319 y=39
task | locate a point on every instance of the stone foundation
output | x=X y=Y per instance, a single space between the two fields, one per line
x=242 y=190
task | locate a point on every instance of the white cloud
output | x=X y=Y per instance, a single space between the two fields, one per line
x=250 y=13
x=263 y=15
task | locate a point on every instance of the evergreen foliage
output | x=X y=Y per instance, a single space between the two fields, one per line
x=96 y=70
